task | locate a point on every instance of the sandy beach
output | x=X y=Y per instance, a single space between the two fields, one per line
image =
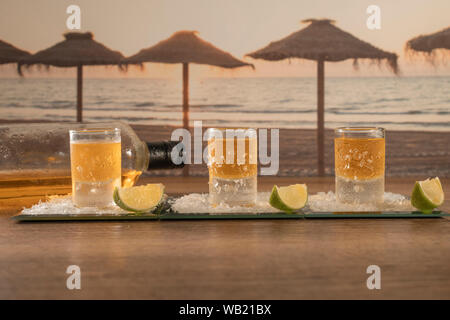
x=408 y=153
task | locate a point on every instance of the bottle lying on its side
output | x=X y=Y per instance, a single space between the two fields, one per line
x=35 y=158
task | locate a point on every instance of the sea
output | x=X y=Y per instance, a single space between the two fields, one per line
x=396 y=103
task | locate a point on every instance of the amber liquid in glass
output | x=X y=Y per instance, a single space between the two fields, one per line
x=23 y=188
x=359 y=168
x=233 y=171
x=96 y=172
x=24 y=183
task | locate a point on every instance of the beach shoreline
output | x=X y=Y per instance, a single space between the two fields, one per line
x=394 y=103
x=408 y=153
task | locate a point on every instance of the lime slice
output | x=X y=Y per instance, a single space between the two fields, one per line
x=427 y=195
x=139 y=199
x=290 y=198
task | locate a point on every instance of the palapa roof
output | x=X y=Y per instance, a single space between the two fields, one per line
x=430 y=42
x=11 y=54
x=77 y=49
x=321 y=40
x=186 y=47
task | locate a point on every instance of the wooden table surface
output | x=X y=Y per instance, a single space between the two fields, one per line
x=251 y=259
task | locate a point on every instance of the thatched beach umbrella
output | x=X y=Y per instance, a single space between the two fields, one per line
x=11 y=54
x=428 y=44
x=322 y=41
x=186 y=47
x=77 y=50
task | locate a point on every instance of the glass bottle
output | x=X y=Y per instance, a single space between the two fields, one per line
x=35 y=158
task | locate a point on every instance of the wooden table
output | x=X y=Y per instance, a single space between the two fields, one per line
x=270 y=259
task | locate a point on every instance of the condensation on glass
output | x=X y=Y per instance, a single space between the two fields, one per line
x=359 y=164
x=95 y=159
x=233 y=166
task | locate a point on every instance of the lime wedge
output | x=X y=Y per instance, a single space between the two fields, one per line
x=139 y=199
x=427 y=195
x=290 y=198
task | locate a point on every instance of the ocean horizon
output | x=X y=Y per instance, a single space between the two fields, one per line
x=396 y=103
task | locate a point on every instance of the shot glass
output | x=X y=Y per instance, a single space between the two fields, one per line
x=359 y=164
x=95 y=159
x=233 y=167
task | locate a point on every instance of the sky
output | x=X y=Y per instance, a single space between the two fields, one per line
x=236 y=26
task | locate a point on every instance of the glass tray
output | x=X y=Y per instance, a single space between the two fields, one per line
x=234 y=216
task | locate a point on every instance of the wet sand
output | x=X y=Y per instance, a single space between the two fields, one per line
x=408 y=153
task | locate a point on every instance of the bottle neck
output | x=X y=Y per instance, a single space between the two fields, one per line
x=142 y=156
x=160 y=155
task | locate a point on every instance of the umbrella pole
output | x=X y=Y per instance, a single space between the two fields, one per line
x=186 y=106
x=79 y=93
x=320 y=117
x=186 y=95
